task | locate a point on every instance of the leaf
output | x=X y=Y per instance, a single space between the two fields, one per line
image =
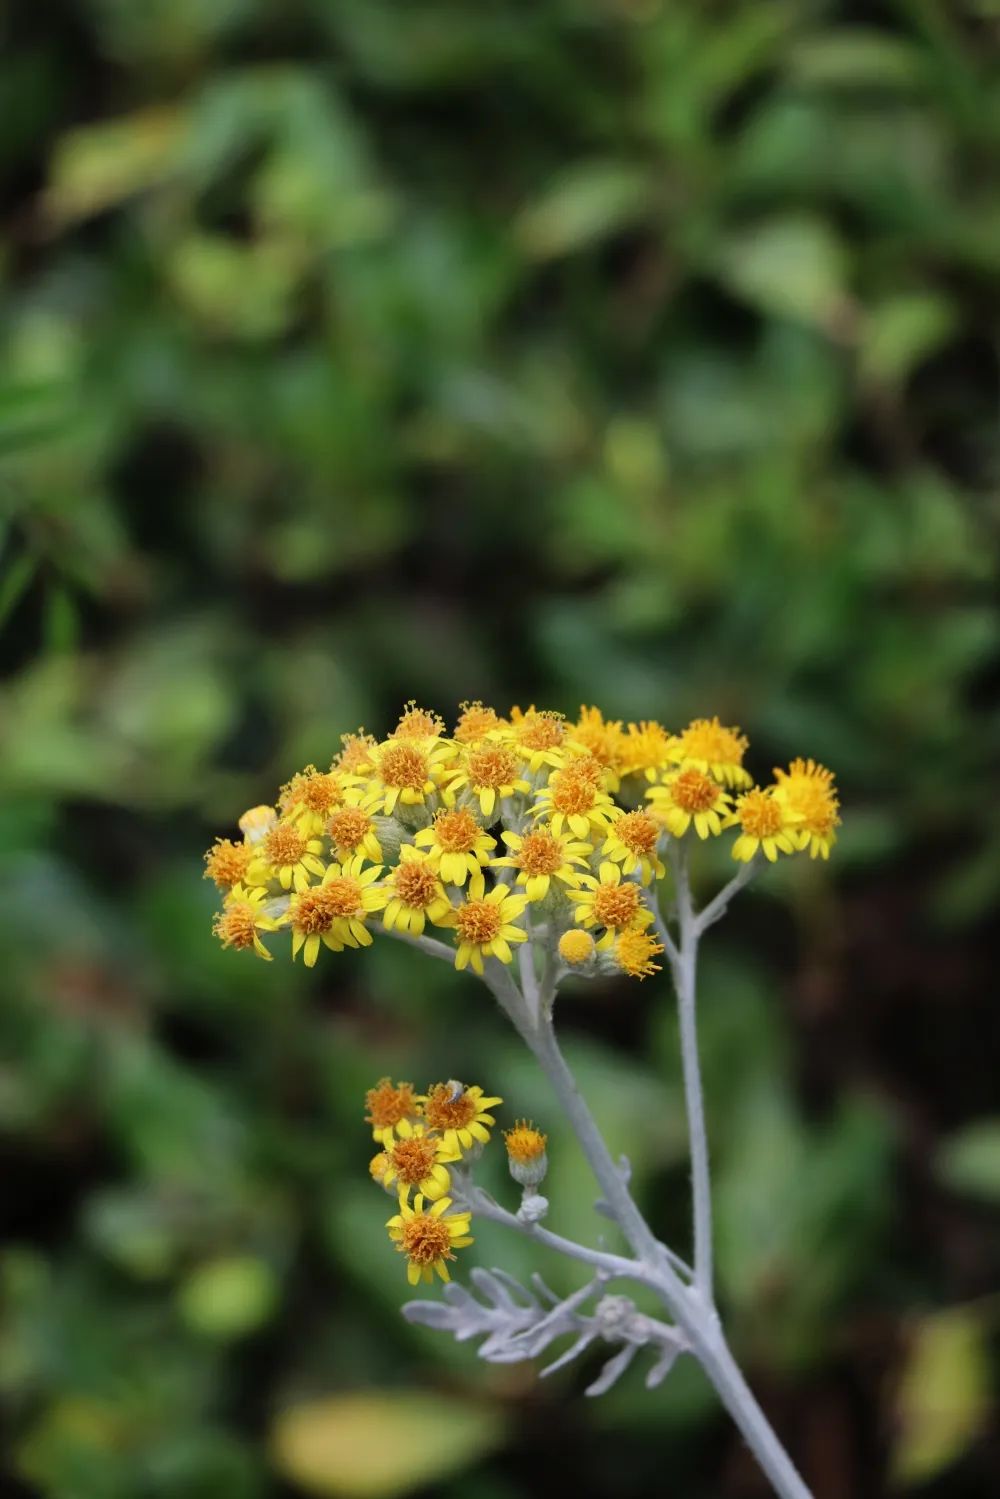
x=97 y=166
x=791 y=266
x=856 y=58
x=228 y=1297
x=969 y=1161
x=590 y=201
x=944 y=1394
x=900 y=333
x=379 y=1445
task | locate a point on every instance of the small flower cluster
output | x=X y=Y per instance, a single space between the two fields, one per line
x=505 y=828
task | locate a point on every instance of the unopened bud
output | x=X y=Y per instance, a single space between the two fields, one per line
x=533 y=1208
x=526 y=1158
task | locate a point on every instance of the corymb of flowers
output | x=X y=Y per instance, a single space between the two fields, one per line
x=530 y=849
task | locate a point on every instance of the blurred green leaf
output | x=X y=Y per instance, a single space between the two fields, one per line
x=591 y=200
x=969 y=1161
x=944 y=1394
x=228 y=1297
x=792 y=266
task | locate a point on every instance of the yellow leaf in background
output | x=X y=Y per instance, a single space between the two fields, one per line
x=378 y=1445
x=944 y=1394
x=97 y=166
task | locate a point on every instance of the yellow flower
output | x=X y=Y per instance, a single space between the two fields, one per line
x=460 y=1114
x=357 y=755
x=576 y=947
x=334 y=912
x=418 y=723
x=490 y=771
x=417 y=1159
x=538 y=737
x=610 y=902
x=476 y=721
x=809 y=792
x=524 y=1142
x=415 y=893
x=407 y=771
x=352 y=831
x=285 y=854
x=309 y=798
x=602 y=738
x=390 y=1105
x=226 y=862
x=241 y=920
x=708 y=745
x=574 y=797
x=631 y=842
x=645 y=749
x=541 y=856
x=691 y=796
x=457 y=844
x=634 y=952
x=767 y=825
x=484 y=924
x=428 y=1238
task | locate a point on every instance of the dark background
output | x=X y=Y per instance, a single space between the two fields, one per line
x=615 y=351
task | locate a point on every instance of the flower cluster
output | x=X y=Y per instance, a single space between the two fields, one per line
x=510 y=827
x=421 y=1136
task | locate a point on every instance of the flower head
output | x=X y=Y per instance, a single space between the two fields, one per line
x=415 y=893
x=309 y=797
x=475 y=721
x=256 y=822
x=542 y=855
x=226 y=862
x=611 y=902
x=418 y=723
x=416 y=1159
x=690 y=796
x=768 y=825
x=602 y=738
x=631 y=842
x=484 y=924
x=573 y=798
x=242 y=919
x=538 y=737
x=634 y=951
x=335 y=911
x=645 y=749
x=352 y=831
x=428 y=1237
x=460 y=1114
x=526 y=1158
x=809 y=792
x=709 y=746
x=407 y=771
x=576 y=947
x=490 y=771
x=287 y=855
x=457 y=843
x=389 y=1104
x=357 y=755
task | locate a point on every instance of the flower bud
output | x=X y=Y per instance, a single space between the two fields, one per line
x=577 y=948
x=526 y=1158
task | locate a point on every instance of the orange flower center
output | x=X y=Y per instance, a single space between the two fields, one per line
x=638 y=831
x=540 y=853
x=404 y=766
x=573 y=792
x=478 y=921
x=237 y=925
x=541 y=731
x=474 y=722
x=524 y=1143
x=344 y=896
x=693 y=791
x=616 y=905
x=348 y=827
x=413 y=1159
x=445 y=1112
x=226 y=862
x=426 y=1239
x=318 y=790
x=814 y=803
x=415 y=883
x=312 y=911
x=456 y=832
x=760 y=815
x=387 y=1103
x=284 y=845
x=492 y=766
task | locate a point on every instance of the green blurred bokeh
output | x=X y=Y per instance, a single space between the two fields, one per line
x=617 y=351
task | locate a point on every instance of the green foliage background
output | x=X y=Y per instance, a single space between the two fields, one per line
x=624 y=351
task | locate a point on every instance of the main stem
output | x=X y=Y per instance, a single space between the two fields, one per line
x=685 y=974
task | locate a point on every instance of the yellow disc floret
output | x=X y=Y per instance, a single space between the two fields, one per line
x=576 y=947
x=634 y=952
x=428 y=1238
x=415 y=893
x=484 y=925
x=690 y=797
x=475 y=721
x=226 y=862
x=631 y=842
x=709 y=745
x=767 y=825
x=242 y=919
x=461 y=1115
x=541 y=856
x=457 y=843
x=388 y=1105
x=524 y=1142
